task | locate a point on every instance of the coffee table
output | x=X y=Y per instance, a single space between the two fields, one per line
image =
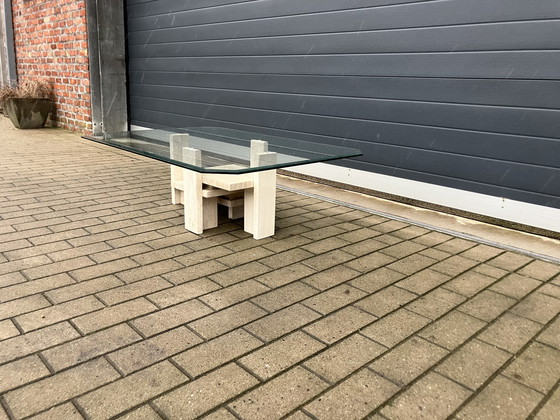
x=213 y=165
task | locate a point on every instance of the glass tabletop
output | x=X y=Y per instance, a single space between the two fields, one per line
x=223 y=150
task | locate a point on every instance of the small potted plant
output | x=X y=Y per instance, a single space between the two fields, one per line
x=28 y=103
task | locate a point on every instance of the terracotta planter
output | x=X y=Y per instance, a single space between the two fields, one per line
x=28 y=112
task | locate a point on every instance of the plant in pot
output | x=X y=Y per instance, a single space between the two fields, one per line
x=28 y=103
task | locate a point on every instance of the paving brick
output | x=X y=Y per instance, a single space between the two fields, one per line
x=21 y=372
x=31 y=265
x=65 y=411
x=32 y=251
x=333 y=299
x=113 y=315
x=233 y=294
x=345 y=357
x=481 y=252
x=89 y=347
x=331 y=277
x=282 y=322
x=364 y=247
x=376 y=279
x=221 y=414
x=469 y=283
x=538 y=307
x=435 y=303
x=35 y=286
x=452 y=330
x=384 y=301
x=171 y=317
x=328 y=260
x=501 y=399
x=216 y=352
x=411 y=264
x=155 y=349
x=432 y=238
x=279 y=396
x=127 y=240
x=11 y=278
x=434 y=254
x=395 y=327
x=551 y=335
x=56 y=313
x=538 y=367
x=227 y=319
x=454 y=265
x=455 y=245
x=490 y=271
x=285 y=275
x=183 y=292
x=325 y=245
x=389 y=226
x=289 y=242
x=515 y=286
x=550 y=290
x=203 y=394
x=510 y=261
x=7 y=329
x=86 y=250
x=112 y=254
x=432 y=397
x=145 y=412
x=139 y=387
x=473 y=364
x=238 y=258
x=370 y=262
x=403 y=249
x=281 y=355
x=423 y=281
x=487 y=305
x=194 y=272
x=85 y=288
x=134 y=290
x=549 y=411
x=91 y=239
x=34 y=341
x=321 y=233
x=406 y=362
x=284 y=296
x=339 y=324
x=540 y=270
x=354 y=398
x=61 y=387
x=510 y=332
x=20 y=306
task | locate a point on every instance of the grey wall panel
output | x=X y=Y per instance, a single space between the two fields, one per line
x=459 y=94
x=524 y=121
x=489 y=37
x=518 y=93
x=500 y=65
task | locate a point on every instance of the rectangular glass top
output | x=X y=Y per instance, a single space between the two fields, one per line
x=223 y=150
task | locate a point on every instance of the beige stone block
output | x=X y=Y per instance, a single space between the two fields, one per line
x=21 y=372
x=385 y=301
x=432 y=397
x=409 y=360
x=281 y=354
x=339 y=324
x=133 y=290
x=279 y=396
x=216 y=352
x=395 y=327
x=452 y=330
x=91 y=346
x=344 y=357
x=113 y=315
x=284 y=296
x=233 y=294
x=88 y=287
x=282 y=322
x=354 y=398
x=61 y=387
x=171 y=317
x=205 y=393
x=126 y=393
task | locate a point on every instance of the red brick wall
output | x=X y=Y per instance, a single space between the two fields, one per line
x=51 y=42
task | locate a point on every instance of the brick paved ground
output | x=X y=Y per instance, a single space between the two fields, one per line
x=109 y=308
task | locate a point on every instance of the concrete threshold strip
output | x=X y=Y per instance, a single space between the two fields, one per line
x=462 y=235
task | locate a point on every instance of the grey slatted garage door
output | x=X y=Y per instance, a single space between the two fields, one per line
x=463 y=94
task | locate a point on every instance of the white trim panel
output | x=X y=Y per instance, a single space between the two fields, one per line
x=498 y=207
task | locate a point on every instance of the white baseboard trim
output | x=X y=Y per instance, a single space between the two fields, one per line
x=497 y=207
